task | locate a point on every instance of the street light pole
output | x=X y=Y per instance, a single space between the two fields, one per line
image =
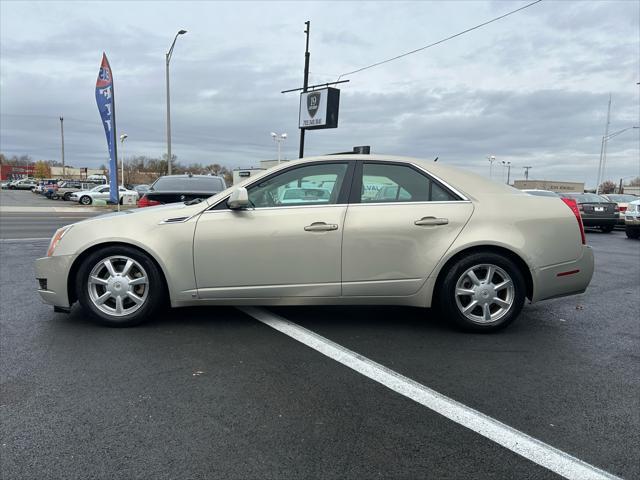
x=122 y=138
x=526 y=172
x=167 y=60
x=62 y=137
x=491 y=158
x=305 y=83
x=603 y=147
x=278 y=139
x=508 y=172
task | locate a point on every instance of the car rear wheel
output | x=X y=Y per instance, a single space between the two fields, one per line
x=85 y=200
x=606 y=228
x=120 y=286
x=482 y=292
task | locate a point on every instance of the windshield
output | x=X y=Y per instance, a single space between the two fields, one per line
x=586 y=198
x=209 y=185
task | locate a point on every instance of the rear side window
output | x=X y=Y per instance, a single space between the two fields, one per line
x=385 y=182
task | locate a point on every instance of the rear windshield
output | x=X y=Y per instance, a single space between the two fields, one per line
x=188 y=184
x=542 y=193
x=622 y=198
x=587 y=198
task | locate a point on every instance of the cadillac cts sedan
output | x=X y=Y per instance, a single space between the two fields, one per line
x=436 y=236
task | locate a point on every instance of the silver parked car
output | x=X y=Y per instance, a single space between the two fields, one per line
x=474 y=248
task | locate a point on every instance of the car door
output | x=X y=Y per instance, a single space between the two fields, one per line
x=399 y=224
x=276 y=249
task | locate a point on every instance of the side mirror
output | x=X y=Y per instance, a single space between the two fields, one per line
x=239 y=199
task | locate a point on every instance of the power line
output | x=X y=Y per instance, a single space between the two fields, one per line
x=439 y=41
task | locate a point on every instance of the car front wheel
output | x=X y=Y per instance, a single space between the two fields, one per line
x=120 y=286
x=482 y=292
x=85 y=200
x=606 y=228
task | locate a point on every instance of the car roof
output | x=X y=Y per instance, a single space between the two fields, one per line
x=464 y=182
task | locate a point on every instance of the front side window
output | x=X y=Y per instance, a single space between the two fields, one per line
x=382 y=183
x=317 y=184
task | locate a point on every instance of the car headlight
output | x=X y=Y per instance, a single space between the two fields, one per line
x=632 y=208
x=55 y=240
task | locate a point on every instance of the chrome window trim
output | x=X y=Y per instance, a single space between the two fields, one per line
x=439 y=202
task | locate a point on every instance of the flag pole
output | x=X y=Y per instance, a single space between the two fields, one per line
x=115 y=136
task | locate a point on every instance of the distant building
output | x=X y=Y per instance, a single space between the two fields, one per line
x=240 y=174
x=75 y=173
x=552 y=185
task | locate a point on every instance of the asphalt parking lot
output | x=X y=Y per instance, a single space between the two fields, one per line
x=213 y=393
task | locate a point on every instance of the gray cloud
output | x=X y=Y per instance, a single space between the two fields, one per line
x=531 y=89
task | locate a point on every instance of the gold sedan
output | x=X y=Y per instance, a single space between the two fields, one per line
x=354 y=230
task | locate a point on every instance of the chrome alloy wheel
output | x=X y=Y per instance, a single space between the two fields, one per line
x=118 y=286
x=484 y=293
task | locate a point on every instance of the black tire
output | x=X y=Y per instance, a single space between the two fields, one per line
x=607 y=228
x=157 y=291
x=55 y=197
x=632 y=233
x=446 y=293
x=85 y=200
x=67 y=197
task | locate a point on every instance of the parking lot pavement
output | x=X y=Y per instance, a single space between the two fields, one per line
x=26 y=198
x=212 y=393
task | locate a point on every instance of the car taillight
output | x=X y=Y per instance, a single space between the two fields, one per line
x=571 y=203
x=623 y=209
x=145 y=202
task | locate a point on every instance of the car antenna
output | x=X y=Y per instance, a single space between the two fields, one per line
x=436 y=159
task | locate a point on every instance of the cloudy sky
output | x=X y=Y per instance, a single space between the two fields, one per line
x=531 y=89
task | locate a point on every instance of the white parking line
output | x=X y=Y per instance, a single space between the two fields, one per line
x=530 y=448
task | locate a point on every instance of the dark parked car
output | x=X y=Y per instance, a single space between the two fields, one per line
x=596 y=211
x=181 y=188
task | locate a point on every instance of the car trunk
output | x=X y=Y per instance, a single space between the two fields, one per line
x=604 y=210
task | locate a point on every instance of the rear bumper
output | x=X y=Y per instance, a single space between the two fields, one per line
x=563 y=279
x=52 y=274
x=599 y=222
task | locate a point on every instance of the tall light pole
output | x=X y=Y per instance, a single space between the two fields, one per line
x=508 y=172
x=168 y=59
x=122 y=138
x=62 y=138
x=603 y=146
x=526 y=172
x=603 y=153
x=491 y=158
x=278 y=139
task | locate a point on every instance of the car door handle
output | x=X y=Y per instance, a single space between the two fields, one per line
x=427 y=221
x=320 y=227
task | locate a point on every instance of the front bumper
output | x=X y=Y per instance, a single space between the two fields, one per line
x=563 y=279
x=52 y=274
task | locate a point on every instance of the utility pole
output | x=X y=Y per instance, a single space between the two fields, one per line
x=603 y=149
x=508 y=172
x=167 y=58
x=526 y=172
x=305 y=83
x=62 y=137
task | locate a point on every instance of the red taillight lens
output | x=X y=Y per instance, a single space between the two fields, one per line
x=623 y=209
x=145 y=202
x=571 y=203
